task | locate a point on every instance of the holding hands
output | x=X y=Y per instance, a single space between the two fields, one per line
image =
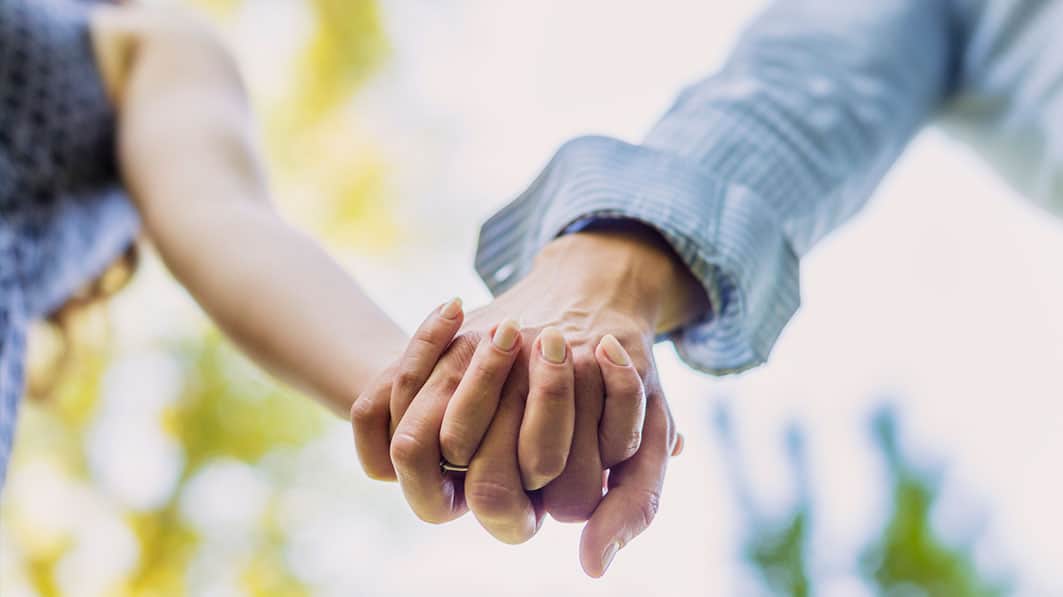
x=514 y=421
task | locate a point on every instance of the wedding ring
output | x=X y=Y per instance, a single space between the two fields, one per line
x=452 y=468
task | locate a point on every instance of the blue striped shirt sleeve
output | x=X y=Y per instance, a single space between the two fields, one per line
x=752 y=165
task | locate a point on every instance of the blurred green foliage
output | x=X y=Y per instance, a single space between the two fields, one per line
x=219 y=415
x=326 y=175
x=347 y=42
x=907 y=558
x=777 y=548
x=909 y=553
x=224 y=411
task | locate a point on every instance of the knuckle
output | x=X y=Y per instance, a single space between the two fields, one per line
x=408 y=381
x=448 y=383
x=621 y=445
x=555 y=388
x=429 y=335
x=647 y=503
x=463 y=348
x=485 y=369
x=363 y=413
x=455 y=445
x=406 y=448
x=491 y=499
x=545 y=465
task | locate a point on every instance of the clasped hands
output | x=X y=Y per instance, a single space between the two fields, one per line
x=561 y=414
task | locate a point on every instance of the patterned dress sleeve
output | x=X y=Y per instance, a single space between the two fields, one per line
x=63 y=214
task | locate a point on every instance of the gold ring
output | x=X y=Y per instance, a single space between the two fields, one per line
x=452 y=468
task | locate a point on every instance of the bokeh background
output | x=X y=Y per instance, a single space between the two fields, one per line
x=904 y=441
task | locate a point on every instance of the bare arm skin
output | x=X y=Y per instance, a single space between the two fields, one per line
x=189 y=158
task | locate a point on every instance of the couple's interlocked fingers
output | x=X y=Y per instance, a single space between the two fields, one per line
x=534 y=420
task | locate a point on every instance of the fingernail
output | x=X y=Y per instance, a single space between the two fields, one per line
x=614 y=351
x=553 y=344
x=680 y=443
x=506 y=335
x=610 y=553
x=452 y=309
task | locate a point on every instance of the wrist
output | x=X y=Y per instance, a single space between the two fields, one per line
x=356 y=364
x=632 y=270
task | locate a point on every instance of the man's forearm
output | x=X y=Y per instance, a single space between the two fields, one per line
x=752 y=165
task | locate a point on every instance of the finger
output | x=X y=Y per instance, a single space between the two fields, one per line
x=680 y=443
x=474 y=403
x=574 y=495
x=426 y=346
x=620 y=432
x=493 y=487
x=371 y=420
x=550 y=413
x=634 y=494
x=434 y=496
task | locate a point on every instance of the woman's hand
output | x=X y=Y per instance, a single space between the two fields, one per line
x=371 y=412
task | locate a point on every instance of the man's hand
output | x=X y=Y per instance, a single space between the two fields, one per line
x=608 y=295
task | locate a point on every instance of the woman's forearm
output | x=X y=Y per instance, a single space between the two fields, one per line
x=279 y=296
x=190 y=160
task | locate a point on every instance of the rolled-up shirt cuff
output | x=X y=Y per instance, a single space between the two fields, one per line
x=730 y=239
